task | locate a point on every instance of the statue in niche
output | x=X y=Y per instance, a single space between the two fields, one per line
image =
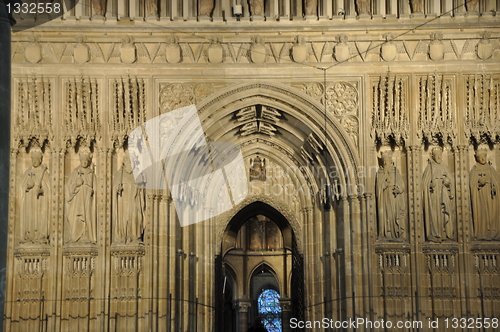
x=256 y=7
x=391 y=202
x=417 y=6
x=258 y=169
x=35 y=201
x=472 y=6
x=363 y=7
x=151 y=8
x=310 y=7
x=98 y=7
x=81 y=201
x=439 y=210
x=129 y=205
x=205 y=7
x=484 y=183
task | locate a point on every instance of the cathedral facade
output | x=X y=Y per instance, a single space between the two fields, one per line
x=369 y=133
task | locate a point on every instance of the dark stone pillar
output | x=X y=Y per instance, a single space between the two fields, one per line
x=4 y=147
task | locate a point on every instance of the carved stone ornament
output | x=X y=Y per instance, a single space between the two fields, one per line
x=485 y=47
x=341 y=51
x=33 y=51
x=173 y=51
x=299 y=50
x=363 y=7
x=342 y=98
x=81 y=52
x=258 y=53
x=389 y=50
x=436 y=47
x=472 y=6
x=215 y=52
x=128 y=51
x=151 y=8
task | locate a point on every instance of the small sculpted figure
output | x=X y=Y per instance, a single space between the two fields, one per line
x=81 y=201
x=35 y=201
x=439 y=202
x=256 y=7
x=484 y=184
x=391 y=202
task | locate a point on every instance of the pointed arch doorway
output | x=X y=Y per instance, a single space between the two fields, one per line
x=259 y=271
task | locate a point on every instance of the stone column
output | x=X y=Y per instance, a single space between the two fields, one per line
x=4 y=144
x=286 y=305
x=242 y=307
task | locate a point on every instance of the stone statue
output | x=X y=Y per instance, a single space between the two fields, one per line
x=129 y=205
x=417 y=6
x=391 y=202
x=363 y=7
x=35 y=201
x=484 y=184
x=98 y=7
x=256 y=7
x=311 y=7
x=81 y=201
x=472 y=6
x=257 y=169
x=151 y=8
x=205 y=7
x=439 y=204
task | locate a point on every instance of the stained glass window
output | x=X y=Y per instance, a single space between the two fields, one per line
x=270 y=310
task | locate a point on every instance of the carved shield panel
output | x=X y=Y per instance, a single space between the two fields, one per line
x=436 y=51
x=173 y=53
x=215 y=53
x=128 y=53
x=33 y=52
x=341 y=52
x=389 y=51
x=299 y=53
x=81 y=53
x=484 y=50
x=258 y=53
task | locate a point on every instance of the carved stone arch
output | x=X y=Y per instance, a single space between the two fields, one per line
x=291 y=101
x=280 y=215
x=231 y=271
x=267 y=266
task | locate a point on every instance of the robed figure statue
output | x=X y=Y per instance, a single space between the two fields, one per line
x=35 y=201
x=129 y=205
x=439 y=203
x=484 y=183
x=81 y=201
x=391 y=203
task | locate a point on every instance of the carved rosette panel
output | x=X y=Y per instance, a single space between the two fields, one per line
x=34 y=103
x=177 y=95
x=482 y=120
x=442 y=267
x=436 y=120
x=82 y=111
x=129 y=107
x=486 y=264
x=390 y=113
x=394 y=268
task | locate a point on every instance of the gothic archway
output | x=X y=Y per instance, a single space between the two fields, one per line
x=259 y=252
